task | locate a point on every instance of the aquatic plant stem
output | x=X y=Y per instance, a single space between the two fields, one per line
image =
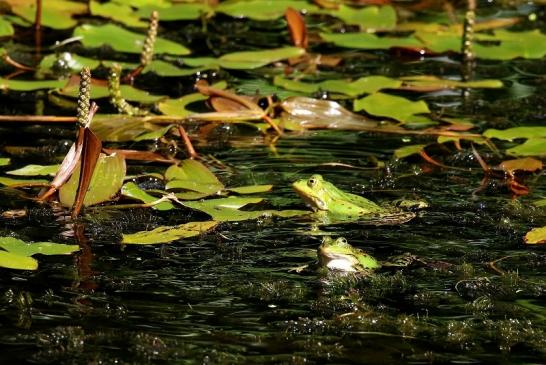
x=187 y=142
x=38 y=28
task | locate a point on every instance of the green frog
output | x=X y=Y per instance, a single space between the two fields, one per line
x=334 y=205
x=339 y=255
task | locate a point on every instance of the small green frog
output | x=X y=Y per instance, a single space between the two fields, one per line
x=339 y=255
x=339 y=206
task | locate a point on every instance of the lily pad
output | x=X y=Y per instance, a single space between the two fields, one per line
x=406 y=151
x=193 y=176
x=106 y=182
x=22 y=248
x=369 y=17
x=132 y=190
x=517 y=132
x=4 y=161
x=252 y=189
x=6 y=29
x=30 y=85
x=535 y=236
x=56 y=14
x=262 y=9
x=122 y=40
x=35 y=170
x=188 y=11
x=8 y=181
x=101 y=91
x=165 y=234
x=369 y=41
x=120 y=128
x=119 y=12
x=69 y=61
x=531 y=147
x=395 y=107
x=18 y=262
x=177 y=107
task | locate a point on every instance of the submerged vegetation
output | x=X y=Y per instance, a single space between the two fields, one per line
x=162 y=146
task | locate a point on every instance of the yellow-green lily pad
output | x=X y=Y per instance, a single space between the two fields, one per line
x=35 y=170
x=391 y=106
x=535 y=236
x=165 y=234
x=132 y=190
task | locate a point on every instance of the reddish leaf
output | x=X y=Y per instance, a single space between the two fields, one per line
x=297 y=28
x=527 y=164
x=518 y=188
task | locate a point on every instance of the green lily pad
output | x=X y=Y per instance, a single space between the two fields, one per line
x=30 y=85
x=8 y=181
x=395 y=107
x=193 y=176
x=35 y=170
x=153 y=135
x=101 y=91
x=106 y=182
x=262 y=9
x=175 y=12
x=119 y=12
x=165 y=234
x=531 y=147
x=122 y=40
x=120 y=128
x=406 y=151
x=70 y=61
x=369 y=17
x=527 y=44
x=6 y=29
x=252 y=189
x=177 y=107
x=4 y=161
x=56 y=14
x=427 y=82
x=166 y=69
x=18 y=262
x=132 y=190
x=227 y=209
x=22 y=248
x=369 y=41
x=363 y=85
x=246 y=60
x=517 y=132
x=536 y=235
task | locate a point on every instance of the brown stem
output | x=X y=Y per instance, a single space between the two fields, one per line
x=10 y=61
x=187 y=142
x=38 y=28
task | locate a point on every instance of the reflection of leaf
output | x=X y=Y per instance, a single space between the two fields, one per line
x=106 y=182
x=517 y=132
x=227 y=209
x=118 y=12
x=166 y=234
x=261 y=9
x=18 y=262
x=395 y=107
x=246 y=60
x=531 y=147
x=34 y=170
x=536 y=235
x=22 y=248
x=122 y=40
x=132 y=190
x=369 y=41
x=406 y=151
x=56 y=14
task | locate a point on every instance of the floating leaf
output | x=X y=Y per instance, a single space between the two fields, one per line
x=122 y=40
x=177 y=107
x=369 y=17
x=35 y=170
x=395 y=107
x=430 y=83
x=132 y=190
x=246 y=60
x=369 y=41
x=105 y=183
x=67 y=61
x=22 y=248
x=521 y=164
x=101 y=91
x=364 y=85
x=252 y=189
x=192 y=175
x=56 y=14
x=4 y=161
x=165 y=234
x=121 y=128
x=526 y=44
x=536 y=235
x=189 y=11
x=153 y=135
x=18 y=262
x=406 y=151
x=8 y=181
x=166 y=69
x=531 y=147
x=6 y=29
x=227 y=209
x=28 y=85
x=262 y=9
x=517 y=132
x=119 y=12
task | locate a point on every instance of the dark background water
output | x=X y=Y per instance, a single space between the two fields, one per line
x=229 y=296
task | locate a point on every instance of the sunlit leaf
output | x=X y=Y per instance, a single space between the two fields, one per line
x=4 y=161
x=526 y=44
x=67 y=61
x=8 y=181
x=535 y=236
x=105 y=183
x=395 y=107
x=101 y=91
x=166 y=69
x=188 y=11
x=6 y=29
x=178 y=106
x=153 y=135
x=121 y=128
x=406 y=151
x=521 y=164
x=246 y=60
x=18 y=262
x=252 y=189
x=132 y=190
x=122 y=40
x=35 y=170
x=517 y=132
x=363 y=85
x=261 y=9
x=369 y=17
x=531 y=147
x=430 y=83
x=194 y=176
x=30 y=85
x=118 y=12
x=22 y=248
x=165 y=234
x=369 y=41
x=56 y=14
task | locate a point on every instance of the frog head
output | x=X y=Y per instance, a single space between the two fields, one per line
x=314 y=191
x=338 y=254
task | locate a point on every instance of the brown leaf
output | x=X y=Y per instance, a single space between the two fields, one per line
x=90 y=154
x=221 y=104
x=296 y=26
x=527 y=164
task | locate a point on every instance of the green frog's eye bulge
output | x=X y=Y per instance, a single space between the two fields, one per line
x=312 y=182
x=342 y=241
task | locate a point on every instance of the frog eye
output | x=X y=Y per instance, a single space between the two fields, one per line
x=342 y=240
x=312 y=182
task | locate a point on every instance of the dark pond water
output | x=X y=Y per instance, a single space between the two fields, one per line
x=230 y=296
